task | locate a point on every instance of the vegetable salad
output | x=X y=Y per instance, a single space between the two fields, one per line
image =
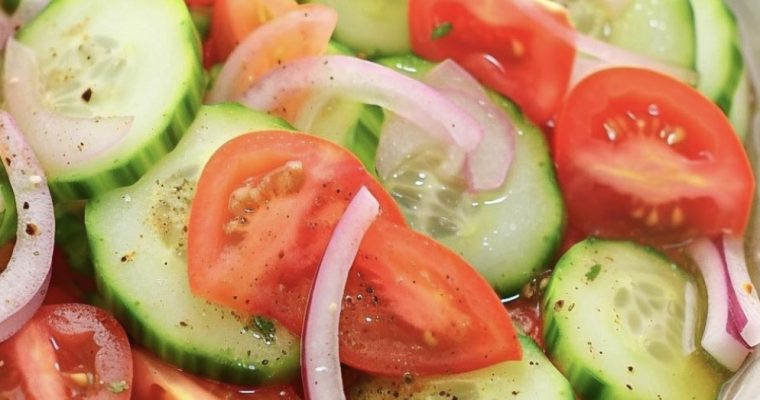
x=271 y=199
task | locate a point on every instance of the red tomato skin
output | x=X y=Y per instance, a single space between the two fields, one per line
x=232 y=20
x=87 y=340
x=158 y=380
x=270 y=271
x=497 y=43
x=700 y=184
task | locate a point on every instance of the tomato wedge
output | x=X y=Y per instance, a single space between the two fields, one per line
x=641 y=155
x=157 y=380
x=265 y=208
x=233 y=20
x=67 y=351
x=499 y=44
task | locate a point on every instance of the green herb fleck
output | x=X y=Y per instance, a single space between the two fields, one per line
x=264 y=327
x=441 y=30
x=118 y=387
x=593 y=272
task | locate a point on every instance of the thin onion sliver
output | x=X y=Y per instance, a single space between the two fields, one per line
x=720 y=338
x=320 y=361
x=24 y=282
x=370 y=83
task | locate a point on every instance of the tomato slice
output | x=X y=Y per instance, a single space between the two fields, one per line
x=641 y=155
x=414 y=306
x=232 y=20
x=157 y=380
x=500 y=45
x=265 y=208
x=67 y=351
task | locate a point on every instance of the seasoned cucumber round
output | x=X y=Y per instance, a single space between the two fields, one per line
x=138 y=235
x=620 y=322
x=533 y=377
x=509 y=234
x=138 y=58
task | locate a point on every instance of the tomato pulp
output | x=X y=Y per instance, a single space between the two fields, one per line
x=67 y=351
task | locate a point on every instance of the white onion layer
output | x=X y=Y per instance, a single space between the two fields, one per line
x=320 y=359
x=486 y=166
x=370 y=83
x=59 y=141
x=24 y=282
x=718 y=339
x=311 y=25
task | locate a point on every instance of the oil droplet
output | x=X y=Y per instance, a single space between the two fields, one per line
x=611 y=132
x=676 y=136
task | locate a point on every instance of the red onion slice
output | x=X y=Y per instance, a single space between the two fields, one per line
x=721 y=338
x=280 y=91
x=24 y=281
x=488 y=164
x=305 y=30
x=58 y=140
x=610 y=54
x=747 y=309
x=320 y=361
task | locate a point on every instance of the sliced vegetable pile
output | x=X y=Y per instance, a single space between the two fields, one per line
x=223 y=199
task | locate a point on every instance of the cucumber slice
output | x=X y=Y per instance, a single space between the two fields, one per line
x=719 y=60
x=741 y=106
x=509 y=234
x=532 y=377
x=345 y=122
x=618 y=324
x=71 y=235
x=663 y=30
x=132 y=57
x=138 y=234
x=8 y=215
x=372 y=28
